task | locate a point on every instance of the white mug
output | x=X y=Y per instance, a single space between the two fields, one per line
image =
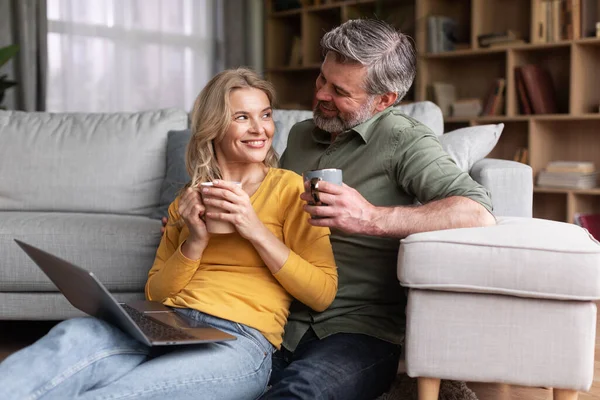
x=213 y=225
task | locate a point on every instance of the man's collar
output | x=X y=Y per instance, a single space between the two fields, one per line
x=320 y=136
x=365 y=130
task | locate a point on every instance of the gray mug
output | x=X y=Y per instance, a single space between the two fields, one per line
x=332 y=175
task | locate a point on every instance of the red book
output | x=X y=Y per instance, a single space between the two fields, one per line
x=540 y=89
x=591 y=222
x=522 y=92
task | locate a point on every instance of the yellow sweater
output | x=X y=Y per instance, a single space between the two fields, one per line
x=232 y=282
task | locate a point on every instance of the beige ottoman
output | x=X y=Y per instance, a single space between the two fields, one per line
x=512 y=303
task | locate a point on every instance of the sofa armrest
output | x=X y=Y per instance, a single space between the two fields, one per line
x=510 y=184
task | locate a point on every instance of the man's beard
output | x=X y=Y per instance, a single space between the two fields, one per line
x=343 y=121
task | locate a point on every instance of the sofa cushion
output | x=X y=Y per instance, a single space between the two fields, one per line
x=119 y=249
x=76 y=162
x=471 y=144
x=284 y=120
x=427 y=113
x=176 y=175
x=519 y=256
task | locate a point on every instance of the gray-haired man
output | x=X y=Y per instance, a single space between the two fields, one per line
x=351 y=350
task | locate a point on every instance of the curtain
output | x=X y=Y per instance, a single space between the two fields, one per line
x=23 y=22
x=240 y=34
x=129 y=55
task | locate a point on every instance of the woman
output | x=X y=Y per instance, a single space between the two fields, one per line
x=242 y=283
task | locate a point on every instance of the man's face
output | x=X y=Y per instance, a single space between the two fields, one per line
x=342 y=101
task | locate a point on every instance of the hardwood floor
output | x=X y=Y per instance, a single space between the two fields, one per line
x=17 y=334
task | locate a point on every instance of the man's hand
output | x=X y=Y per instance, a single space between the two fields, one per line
x=349 y=212
x=346 y=209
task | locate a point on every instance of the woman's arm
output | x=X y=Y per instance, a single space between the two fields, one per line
x=303 y=264
x=310 y=277
x=310 y=273
x=173 y=266
x=242 y=215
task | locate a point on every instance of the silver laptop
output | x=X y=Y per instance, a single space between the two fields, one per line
x=150 y=322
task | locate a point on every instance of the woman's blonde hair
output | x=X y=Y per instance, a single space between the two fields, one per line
x=211 y=117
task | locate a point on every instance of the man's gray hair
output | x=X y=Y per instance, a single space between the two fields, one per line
x=388 y=54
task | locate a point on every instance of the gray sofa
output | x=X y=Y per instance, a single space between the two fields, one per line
x=83 y=186
x=511 y=303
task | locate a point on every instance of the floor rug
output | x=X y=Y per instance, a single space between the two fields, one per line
x=405 y=388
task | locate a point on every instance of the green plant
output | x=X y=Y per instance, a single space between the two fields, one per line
x=6 y=53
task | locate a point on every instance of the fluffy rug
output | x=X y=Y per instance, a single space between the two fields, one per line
x=405 y=388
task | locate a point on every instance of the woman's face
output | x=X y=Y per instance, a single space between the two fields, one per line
x=250 y=133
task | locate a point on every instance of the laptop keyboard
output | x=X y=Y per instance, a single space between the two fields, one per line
x=153 y=329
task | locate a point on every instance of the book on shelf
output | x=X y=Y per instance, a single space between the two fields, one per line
x=441 y=34
x=569 y=175
x=494 y=102
x=568 y=180
x=296 y=52
x=465 y=108
x=589 y=221
x=523 y=98
x=557 y=20
x=539 y=88
x=521 y=155
x=499 y=38
x=554 y=20
x=584 y=167
x=444 y=95
x=507 y=43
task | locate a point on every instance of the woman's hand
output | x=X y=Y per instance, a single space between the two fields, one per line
x=191 y=210
x=232 y=198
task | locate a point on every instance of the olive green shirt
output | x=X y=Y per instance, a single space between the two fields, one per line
x=392 y=160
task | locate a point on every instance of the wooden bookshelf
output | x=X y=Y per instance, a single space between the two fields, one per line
x=573 y=133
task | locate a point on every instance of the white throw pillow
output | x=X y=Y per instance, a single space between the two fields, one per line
x=284 y=120
x=427 y=113
x=469 y=145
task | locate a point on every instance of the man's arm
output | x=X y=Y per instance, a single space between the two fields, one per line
x=421 y=168
x=348 y=211
x=449 y=213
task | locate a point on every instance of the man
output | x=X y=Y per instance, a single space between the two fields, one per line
x=390 y=162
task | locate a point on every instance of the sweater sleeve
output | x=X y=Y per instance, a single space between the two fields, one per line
x=310 y=273
x=171 y=270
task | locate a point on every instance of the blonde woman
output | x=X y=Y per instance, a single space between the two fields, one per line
x=242 y=282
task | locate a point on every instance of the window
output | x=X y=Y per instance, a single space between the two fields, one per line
x=128 y=55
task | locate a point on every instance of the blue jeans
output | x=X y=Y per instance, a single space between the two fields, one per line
x=86 y=358
x=343 y=366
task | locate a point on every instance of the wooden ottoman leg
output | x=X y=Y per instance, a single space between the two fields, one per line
x=564 y=394
x=429 y=388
